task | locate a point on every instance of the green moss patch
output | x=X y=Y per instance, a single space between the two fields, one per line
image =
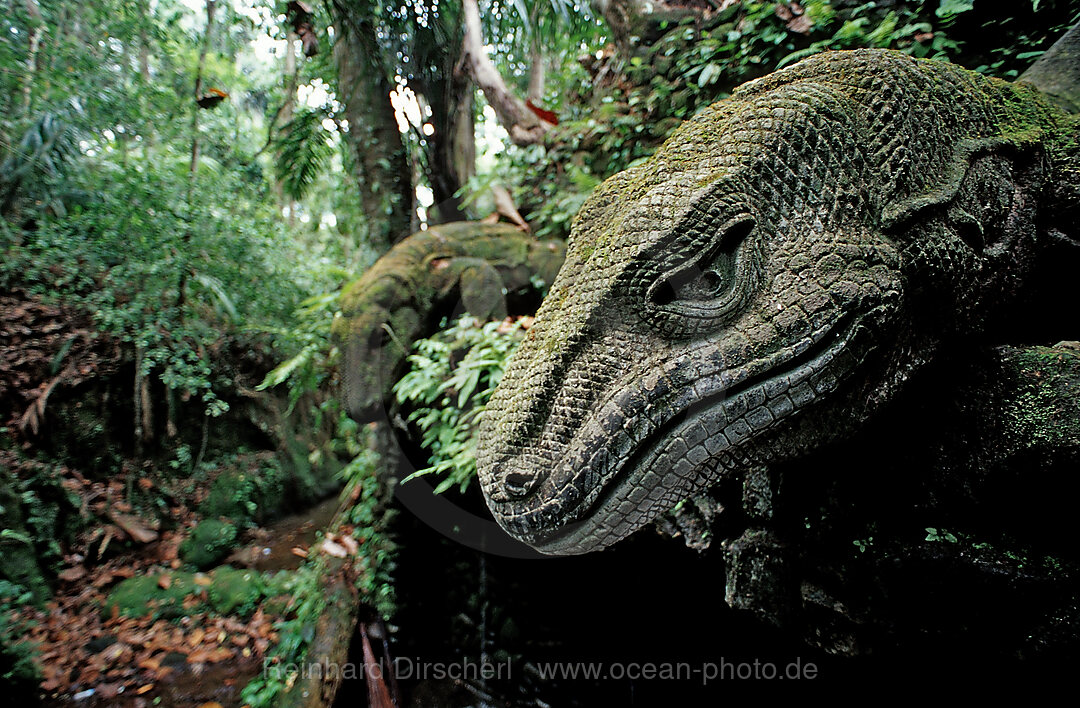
x=235 y=591
x=225 y=591
x=209 y=542
x=246 y=497
x=163 y=594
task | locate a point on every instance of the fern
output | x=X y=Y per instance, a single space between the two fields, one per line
x=450 y=381
x=303 y=152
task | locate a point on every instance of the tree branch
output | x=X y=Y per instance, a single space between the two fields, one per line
x=524 y=127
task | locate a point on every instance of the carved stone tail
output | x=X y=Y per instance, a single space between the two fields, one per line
x=1057 y=72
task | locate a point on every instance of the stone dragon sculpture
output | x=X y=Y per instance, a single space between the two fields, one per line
x=766 y=282
x=422 y=278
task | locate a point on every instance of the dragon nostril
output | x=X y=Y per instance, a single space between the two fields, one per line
x=518 y=484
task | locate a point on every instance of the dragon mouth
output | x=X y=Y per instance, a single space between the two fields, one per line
x=673 y=441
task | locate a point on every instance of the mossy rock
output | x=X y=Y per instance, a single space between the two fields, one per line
x=279 y=589
x=235 y=591
x=136 y=596
x=209 y=542
x=246 y=497
x=228 y=497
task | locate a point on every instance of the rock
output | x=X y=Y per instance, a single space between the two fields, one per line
x=235 y=591
x=210 y=541
x=136 y=596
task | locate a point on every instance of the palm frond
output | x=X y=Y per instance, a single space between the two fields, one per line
x=303 y=151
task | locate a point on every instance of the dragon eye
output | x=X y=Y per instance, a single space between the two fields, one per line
x=707 y=278
x=715 y=278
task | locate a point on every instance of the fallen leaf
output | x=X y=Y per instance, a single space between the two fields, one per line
x=349 y=543
x=50 y=685
x=164 y=581
x=334 y=549
x=151 y=664
x=220 y=654
x=134 y=527
x=111 y=653
x=108 y=691
x=212 y=656
x=72 y=574
x=196 y=637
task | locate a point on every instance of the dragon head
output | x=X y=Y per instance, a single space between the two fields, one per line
x=768 y=278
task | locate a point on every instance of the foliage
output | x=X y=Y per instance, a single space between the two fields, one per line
x=125 y=241
x=313 y=369
x=450 y=380
x=36 y=514
x=102 y=207
x=246 y=496
x=17 y=657
x=303 y=150
x=37 y=163
x=295 y=634
x=634 y=102
x=562 y=29
x=316 y=357
x=940 y=535
x=371 y=517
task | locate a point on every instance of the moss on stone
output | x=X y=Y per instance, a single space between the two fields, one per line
x=227 y=591
x=235 y=591
x=209 y=542
x=246 y=497
x=137 y=596
x=1043 y=408
x=398 y=299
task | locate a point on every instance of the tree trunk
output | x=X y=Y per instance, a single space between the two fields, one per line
x=524 y=126
x=450 y=149
x=536 y=73
x=147 y=129
x=37 y=30
x=193 y=165
x=285 y=115
x=380 y=164
x=536 y=59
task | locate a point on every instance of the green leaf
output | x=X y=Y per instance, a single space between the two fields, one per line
x=215 y=286
x=284 y=370
x=951 y=8
x=709 y=74
x=468 y=387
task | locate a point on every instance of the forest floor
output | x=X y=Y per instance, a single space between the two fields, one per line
x=129 y=620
